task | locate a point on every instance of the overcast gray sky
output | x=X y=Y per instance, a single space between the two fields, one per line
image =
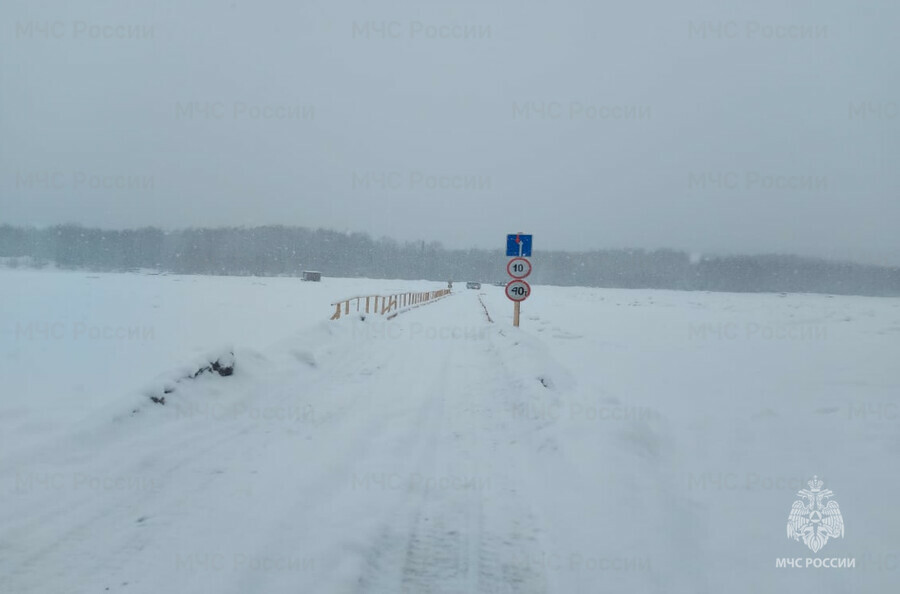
x=710 y=126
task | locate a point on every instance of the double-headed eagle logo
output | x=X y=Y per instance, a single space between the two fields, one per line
x=815 y=520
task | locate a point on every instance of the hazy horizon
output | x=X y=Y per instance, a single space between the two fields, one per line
x=694 y=254
x=703 y=127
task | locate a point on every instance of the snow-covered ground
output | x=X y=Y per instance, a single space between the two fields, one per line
x=619 y=441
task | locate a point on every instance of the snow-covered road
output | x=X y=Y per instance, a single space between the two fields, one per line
x=369 y=457
x=606 y=446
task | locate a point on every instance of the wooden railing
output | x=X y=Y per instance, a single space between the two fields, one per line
x=385 y=304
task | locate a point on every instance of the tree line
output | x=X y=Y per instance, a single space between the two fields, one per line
x=286 y=251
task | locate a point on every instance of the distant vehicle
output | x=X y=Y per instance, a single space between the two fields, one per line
x=311 y=275
x=471 y=285
x=499 y=284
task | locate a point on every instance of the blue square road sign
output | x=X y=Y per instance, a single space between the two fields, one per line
x=518 y=245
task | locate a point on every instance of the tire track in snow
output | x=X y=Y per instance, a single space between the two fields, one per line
x=470 y=538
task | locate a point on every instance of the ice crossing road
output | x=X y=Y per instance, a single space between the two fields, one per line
x=370 y=456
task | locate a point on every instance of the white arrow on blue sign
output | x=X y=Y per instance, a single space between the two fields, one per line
x=518 y=244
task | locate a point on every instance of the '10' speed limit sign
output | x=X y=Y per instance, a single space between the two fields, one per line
x=518 y=268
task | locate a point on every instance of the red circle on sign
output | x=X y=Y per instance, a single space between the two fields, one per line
x=509 y=266
x=514 y=286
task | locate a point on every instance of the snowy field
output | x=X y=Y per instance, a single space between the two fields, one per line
x=619 y=441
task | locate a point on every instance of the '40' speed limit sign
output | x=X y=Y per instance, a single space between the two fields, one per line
x=518 y=290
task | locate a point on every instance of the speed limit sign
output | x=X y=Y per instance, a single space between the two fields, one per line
x=518 y=290
x=518 y=268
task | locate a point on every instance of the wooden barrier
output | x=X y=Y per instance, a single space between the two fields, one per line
x=387 y=303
